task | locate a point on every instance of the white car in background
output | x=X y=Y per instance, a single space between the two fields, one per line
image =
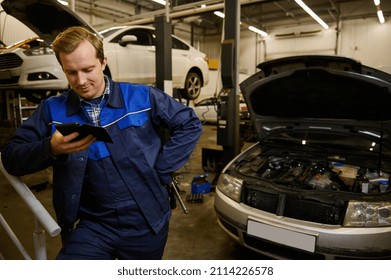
x=35 y=72
x=131 y=56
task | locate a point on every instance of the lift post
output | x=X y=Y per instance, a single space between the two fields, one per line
x=163 y=64
x=228 y=134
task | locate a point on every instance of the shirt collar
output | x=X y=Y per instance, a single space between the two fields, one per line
x=106 y=92
x=114 y=100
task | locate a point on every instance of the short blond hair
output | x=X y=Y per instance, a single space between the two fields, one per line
x=68 y=40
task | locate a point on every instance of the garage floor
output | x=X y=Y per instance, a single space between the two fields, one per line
x=192 y=236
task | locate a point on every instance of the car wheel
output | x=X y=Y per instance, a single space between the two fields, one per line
x=192 y=86
x=39 y=96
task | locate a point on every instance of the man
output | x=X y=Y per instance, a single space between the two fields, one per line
x=110 y=198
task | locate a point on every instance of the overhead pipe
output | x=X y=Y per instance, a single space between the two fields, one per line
x=148 y=18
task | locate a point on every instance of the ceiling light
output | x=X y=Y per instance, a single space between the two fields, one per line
x=379 y=11
x=162 y=2
x=62 y=2
x=312 y=14
x=219 y=14
x=259 y=31
x=380 y=16
x=252 y=28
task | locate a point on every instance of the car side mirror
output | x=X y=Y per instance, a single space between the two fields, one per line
x=127 y=39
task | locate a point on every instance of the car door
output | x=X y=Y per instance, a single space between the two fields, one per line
x=180 y=61
x=132 y=60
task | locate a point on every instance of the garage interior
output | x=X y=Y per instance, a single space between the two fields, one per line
x=279 y=28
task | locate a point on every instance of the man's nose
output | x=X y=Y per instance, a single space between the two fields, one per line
x=81 y=78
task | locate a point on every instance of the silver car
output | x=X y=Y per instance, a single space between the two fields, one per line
x=315 y=186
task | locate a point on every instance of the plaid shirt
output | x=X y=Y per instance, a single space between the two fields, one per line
x=94 y=107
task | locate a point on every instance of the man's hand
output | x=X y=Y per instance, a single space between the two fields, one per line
x=60 y=145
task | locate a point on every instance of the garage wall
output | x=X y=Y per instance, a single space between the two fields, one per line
x=254 y=49
x=363 y=39
x=367 y=41
x=310 y=39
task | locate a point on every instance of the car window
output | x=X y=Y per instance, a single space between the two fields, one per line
x=179 y=45
x=144 y=37
x=107 y=32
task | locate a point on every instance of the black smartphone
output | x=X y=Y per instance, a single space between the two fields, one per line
x=99 y=132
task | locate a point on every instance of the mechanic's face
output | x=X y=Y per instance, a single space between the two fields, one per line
x=84 y=71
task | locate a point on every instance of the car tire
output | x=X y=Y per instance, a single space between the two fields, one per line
x=193 y=84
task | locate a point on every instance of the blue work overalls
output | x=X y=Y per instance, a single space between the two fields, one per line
x=132 y=115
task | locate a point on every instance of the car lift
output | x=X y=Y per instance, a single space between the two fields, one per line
x=163 y=62
x=228 y=135
x=163 y=70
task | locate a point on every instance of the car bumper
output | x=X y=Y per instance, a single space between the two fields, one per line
x=286 y=238
x=36 y=73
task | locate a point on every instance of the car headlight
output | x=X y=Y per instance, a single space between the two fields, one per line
x=38 y=51
x=230 y=186
x=368 y=214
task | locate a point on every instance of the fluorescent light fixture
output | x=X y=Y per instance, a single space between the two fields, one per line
x=312 y=14
x=379 y=11
x=219 y=14
x=62 y=2
x=380 y=16
x=259 y=31
x=162 y=2
x=252 y=28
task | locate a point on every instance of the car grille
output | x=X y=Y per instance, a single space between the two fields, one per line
x=293 y=206
x=10 y=60
x=7 y=82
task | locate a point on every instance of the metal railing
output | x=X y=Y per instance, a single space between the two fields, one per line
x=43 y=220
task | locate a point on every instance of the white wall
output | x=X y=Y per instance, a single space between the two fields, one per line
x=367 y=41
x=363 y=39
x=310 y=39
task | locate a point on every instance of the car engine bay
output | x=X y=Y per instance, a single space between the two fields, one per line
x=308 y=174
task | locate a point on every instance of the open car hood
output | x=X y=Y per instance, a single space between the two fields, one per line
x=47 y=18
x=326 y=94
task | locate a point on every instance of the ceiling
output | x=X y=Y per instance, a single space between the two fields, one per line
x=263 y=14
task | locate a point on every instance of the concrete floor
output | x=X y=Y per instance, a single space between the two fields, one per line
x=192 y=236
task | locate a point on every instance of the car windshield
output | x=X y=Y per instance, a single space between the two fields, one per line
x=107 y=32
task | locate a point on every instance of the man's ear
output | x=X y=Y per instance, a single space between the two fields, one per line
x=104 y=63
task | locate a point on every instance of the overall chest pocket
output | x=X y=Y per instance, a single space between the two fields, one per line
x=133 y=119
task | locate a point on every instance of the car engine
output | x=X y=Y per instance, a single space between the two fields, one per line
x=326 y=175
